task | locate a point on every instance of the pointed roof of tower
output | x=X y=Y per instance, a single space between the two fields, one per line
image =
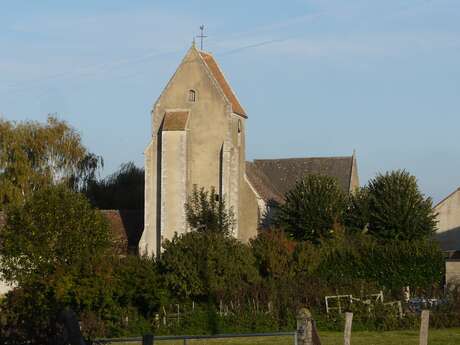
x=224 y=85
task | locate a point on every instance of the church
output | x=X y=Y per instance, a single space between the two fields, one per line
x=198 y=129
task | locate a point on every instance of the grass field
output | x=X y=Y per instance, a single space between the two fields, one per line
x=437 y=337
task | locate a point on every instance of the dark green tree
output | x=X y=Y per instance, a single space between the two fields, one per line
x=397 y=209
x=123 y=190
x=58 y=252
x=207 y=266
x=313 y=209
x=206 y=211
x=35 y=155
x=139 y=284
x=207 y=262
x=356 y=219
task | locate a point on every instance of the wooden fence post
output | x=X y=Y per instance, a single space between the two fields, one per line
x=304 y=327
x=147 y=339
x=347 y=331
x=424 y=323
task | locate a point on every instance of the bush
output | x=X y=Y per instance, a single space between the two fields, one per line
x=200 y=265
x=58 y=251
x=313 y=210
x=397 y=210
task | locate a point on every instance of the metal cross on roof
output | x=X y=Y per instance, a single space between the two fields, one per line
x=201 y=36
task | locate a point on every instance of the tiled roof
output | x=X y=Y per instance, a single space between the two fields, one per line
x=126 y=227
x=225 y=86
x=175 y=120
x=272 y=178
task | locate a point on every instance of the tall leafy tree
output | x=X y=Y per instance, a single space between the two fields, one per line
x=207 y=263
x=57 y=250
x=397 y=209
x=123 y=190
x=207 y=212
x=357 y=214
x=34 y=155
x=313 y=209
x=53 y=237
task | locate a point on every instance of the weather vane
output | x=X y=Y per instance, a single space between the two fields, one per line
x=201 y=36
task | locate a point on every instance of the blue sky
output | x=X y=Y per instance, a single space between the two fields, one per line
x=317 y=78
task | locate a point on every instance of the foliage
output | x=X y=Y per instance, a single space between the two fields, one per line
x=54 y=235
x=34 y=155
x=207 y=212
x=273 y=253
x=397 y=209
x=313 y=209
x=123 y=190
x=206 y=319
x=139 y=285
x=357 y=214
x=57 y=250
x=199 y=265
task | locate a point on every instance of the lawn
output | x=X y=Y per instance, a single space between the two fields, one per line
x=437 y=337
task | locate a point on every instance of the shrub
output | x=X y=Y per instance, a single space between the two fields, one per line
x=397 y=209
x=313 y=210
x=58 y=251
x=201 y=265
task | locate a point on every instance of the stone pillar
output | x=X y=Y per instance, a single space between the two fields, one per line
x=424 y=324
x=347 y=331
x=304 y=327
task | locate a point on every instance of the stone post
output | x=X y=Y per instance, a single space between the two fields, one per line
x=424 y=327
x=347 y=331
x=304 y=327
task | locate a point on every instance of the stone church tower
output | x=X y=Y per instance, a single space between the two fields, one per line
x=198 y=138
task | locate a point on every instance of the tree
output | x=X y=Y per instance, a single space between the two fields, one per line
x=313 y=209
x=357 y=214
x=139 y=284
x=34 y=155
x=397 y=209
x=58 y=251
x=207 y=262
x=207 y=212
x=207 y=266
x=123 y=190
x=273 y=253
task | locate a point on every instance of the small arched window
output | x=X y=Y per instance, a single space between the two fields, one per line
x=192 y=96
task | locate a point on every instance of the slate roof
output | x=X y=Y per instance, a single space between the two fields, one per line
x=262 y=184
x=175 y=120
x=225 y=86
x=272 y=178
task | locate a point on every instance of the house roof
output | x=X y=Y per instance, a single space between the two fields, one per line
x=126 y=227
x=224 y=85
x=273 y=178
x=262 y=184
x=175 y=120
